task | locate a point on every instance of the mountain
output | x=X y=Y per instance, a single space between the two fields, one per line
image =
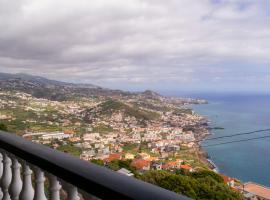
x=114 y=107
x=150 y=94
x=41 y=80
x=41 y=87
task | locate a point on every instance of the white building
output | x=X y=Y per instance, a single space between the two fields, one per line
x=57 y=135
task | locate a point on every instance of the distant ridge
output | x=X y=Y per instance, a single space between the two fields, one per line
x=42 y=80
x=41 y=87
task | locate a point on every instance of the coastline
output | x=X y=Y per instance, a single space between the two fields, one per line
x=214 y=167
x=207 y=159
x=236 y=113
x=203 y=152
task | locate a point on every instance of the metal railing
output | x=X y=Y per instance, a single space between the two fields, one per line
x=58 y=174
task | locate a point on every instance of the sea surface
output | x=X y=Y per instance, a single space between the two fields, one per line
x=249 y=160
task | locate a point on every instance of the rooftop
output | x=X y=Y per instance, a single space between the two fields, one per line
x=258 y=190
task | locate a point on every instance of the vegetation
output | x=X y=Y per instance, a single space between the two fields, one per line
x=199 y=185
x=71 y=149
x=102 y=128
x=181 y=111
x=206 y=173
x=97 y=162
x=130 y=148
x=118 y=164
x=152 y=106
x=3 y=127
x=111 y=106
x=193 y=157
x=205 y=185
x=202 y=185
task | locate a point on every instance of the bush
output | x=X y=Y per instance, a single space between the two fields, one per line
x=3 y=127
x=204 y=185
x=70 y=149
x=97 y=162
x=118 y=164
x=206 y=173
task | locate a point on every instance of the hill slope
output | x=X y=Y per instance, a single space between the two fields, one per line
x=113 y=107
x=59 y=91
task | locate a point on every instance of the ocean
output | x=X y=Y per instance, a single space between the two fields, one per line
x=249 y=160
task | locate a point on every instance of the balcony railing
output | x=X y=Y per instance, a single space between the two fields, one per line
x=31 y=171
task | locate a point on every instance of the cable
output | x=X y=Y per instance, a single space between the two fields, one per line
x=244 y=140
x=246 y=133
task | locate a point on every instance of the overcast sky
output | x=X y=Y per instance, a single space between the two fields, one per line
x=203 y=45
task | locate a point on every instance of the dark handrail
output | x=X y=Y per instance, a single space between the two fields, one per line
x=93 y=179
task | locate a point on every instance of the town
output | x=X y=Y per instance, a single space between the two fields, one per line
x=154 y=137
x=129 y=135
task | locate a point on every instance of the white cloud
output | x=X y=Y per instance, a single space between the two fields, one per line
x=135 y=42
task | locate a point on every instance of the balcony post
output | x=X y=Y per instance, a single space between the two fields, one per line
x=1 y=165
x=27 y=189
x=54 y=187
x=6 y=178
x=72 y=192
x=1 y=173
x=39 y=187
x=16 y=183
x=86 y=195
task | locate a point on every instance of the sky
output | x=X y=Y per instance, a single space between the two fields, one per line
x=172 y=45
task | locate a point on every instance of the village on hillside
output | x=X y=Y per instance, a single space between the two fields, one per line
x=128 y=135
x=159 y=139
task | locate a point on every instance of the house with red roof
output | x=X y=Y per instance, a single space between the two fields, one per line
x=141 y=164
x=171 y=165
x=70 y=132
x=187 y=168
x=113 y=156
x=228 y=180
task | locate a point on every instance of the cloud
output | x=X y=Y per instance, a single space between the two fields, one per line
x=138 y=43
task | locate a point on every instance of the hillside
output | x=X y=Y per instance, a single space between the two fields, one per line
x=113 y=107
x=32 y=103
x=40 y=87
x=196 y=185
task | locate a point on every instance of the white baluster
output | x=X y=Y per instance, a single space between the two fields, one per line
x=1 y=173
x=54 y=187
x=87 y=196
x=6 y=178
x=1 y=165
x=16 y=183
x=39 y=188
x=72 y=192
x=27 y=189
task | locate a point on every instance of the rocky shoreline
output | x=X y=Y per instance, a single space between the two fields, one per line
x=203 y=153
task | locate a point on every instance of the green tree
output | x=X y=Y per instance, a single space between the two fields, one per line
x=118 y=164
x=114 y=165
x=3 y=127
x=207 y=173
x=70 y=149
x=97 y=162
x=201 y=186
